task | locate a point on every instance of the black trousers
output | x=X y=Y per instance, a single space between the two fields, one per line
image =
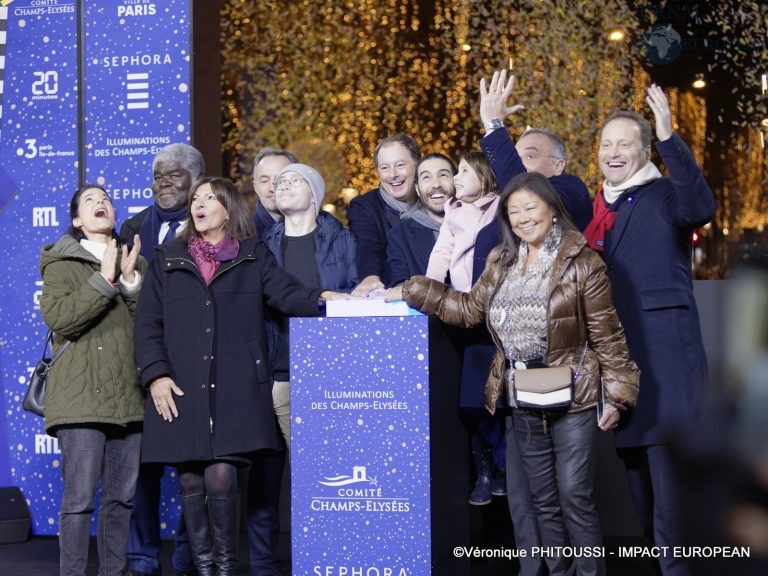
x=559 y=458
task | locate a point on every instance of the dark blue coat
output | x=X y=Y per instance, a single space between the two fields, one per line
x=648 y=253
x=335 y=252
x=370 y=218
x=506 y=164
x=210 y=339
x=263 y=221
x=409 y=245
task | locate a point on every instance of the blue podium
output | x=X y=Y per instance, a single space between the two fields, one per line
x=366 y=497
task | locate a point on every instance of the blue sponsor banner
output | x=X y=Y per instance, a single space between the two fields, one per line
x=38 y=173
x=360 y=466
x=137 y=92
x=135 y=95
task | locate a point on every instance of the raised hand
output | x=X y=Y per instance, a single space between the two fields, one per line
x=659 y=104
x=129 y=259
x=493 y=100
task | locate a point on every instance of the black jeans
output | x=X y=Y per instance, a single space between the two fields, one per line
x=559 y=459
x=521 y=508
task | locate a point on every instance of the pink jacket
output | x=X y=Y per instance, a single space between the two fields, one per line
x=455 y=246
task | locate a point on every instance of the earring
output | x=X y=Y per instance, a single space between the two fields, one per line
x=226 y=218
x=554 y=219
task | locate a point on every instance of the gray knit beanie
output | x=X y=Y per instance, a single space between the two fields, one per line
x=316 y=182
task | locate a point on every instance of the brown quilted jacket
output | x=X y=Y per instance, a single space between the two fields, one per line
x=580 y=309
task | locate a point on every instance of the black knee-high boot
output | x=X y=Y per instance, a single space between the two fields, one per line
x=225 y=518
x=195 y=513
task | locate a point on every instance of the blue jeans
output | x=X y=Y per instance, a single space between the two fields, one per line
x=144 y=542
x=109 y=454
x=559 y=459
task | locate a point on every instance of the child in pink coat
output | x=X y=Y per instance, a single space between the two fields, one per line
x=474 y=206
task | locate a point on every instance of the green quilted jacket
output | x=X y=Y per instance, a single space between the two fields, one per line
x=95 y=379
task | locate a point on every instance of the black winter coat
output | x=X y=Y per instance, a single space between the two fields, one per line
x=409 y=245
x=210 y=340
x=370 y=218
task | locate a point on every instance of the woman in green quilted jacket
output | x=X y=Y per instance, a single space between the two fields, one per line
x=94 y=403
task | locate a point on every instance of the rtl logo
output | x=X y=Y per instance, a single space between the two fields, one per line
x=44 y=216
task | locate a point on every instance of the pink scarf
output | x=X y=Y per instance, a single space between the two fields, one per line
x=209 y=257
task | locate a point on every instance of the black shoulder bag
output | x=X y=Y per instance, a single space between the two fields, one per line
x=34 y=399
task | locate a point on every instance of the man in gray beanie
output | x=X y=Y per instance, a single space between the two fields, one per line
x=316 y=249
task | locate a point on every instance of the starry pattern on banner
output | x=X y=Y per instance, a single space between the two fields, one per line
x=3 y=25
x=137 y=93
x=39 y=164
x=360 y=464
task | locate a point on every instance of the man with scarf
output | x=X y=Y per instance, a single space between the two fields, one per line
x=373 y=214
x=410 y=241
x=175 y=169
x=643 y=226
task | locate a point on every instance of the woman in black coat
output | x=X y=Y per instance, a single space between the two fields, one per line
x=201 y=352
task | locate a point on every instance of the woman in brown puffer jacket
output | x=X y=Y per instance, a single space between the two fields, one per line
x=547 y=302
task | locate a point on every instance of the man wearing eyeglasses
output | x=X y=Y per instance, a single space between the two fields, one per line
x=314 y=248
x=537 y=150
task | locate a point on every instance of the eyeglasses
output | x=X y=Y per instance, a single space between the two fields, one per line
x=539 y=157
x=294 y=182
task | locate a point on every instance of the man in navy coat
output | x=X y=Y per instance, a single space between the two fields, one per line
x=374 y=213
x=537 y=150
x=643 y=224
x=410 y=241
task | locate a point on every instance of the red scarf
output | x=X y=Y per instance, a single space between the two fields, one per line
x=602 y=221
x=209 y=257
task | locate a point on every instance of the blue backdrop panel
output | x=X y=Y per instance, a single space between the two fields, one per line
x=360 y=461
x=137 y=71
x=137 y=92
x=136 y=99
x=38 y=155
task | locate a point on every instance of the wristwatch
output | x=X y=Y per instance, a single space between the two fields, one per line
x=494 y=124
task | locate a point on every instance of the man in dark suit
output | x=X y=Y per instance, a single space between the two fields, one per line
x=410 y=241
x=374 y=213
x=537 y=150
x=643 y=225
x=175 y=169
